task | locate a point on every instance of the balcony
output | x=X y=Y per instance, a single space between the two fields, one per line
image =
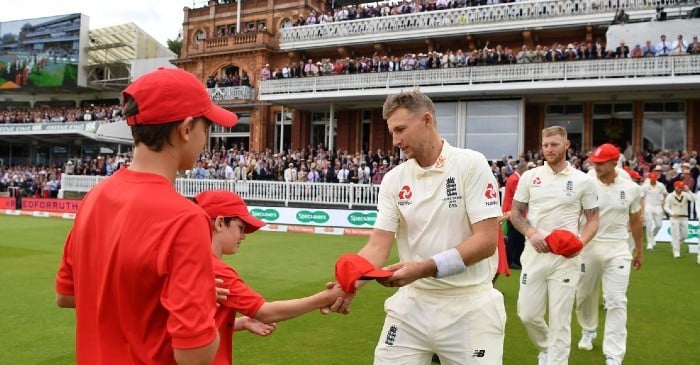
x=471 y=20
x=236 y=43
x=683 y=72
x=232 y=93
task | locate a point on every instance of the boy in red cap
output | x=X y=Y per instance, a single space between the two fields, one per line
x=654 y=195
x=606 y=260
x=676 y=206
x=137 y=263
x=231 y=221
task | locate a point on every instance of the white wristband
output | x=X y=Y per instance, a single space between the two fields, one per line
x=448 y=263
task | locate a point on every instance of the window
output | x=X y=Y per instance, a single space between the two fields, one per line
x=569 y=116
x=613 y=123
x=664 y=126
x=199 y=36
x=283 y=130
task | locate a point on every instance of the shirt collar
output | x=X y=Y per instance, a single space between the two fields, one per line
x=565 y=171
x=439 y=164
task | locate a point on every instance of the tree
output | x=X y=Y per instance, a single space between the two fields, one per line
x=175 y=45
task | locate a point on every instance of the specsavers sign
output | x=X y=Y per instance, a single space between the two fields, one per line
x=664 y=234
x=316 y=217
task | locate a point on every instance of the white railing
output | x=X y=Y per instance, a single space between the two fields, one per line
x=525 y=11
x=346 y=195
x=531 y=72
x=232 y=93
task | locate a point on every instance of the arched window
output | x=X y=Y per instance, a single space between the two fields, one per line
x=199 y=35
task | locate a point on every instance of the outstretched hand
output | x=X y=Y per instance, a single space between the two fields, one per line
x=404 y=273
x=342 y=303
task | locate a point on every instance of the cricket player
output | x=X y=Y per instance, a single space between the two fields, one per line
x=676 y=206
x=554 y=197
x=441 y=208
x=654 y=195
x=606 y=259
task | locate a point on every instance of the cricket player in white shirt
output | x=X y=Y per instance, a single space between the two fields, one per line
x=606 y=259
x=441 y=208
x=676 y=206
x=554 y=197
x=654 y=195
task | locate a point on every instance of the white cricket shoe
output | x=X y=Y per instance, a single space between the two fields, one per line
x=699 y=259
x=587 y=338
x=610 y=361
x=542 y=358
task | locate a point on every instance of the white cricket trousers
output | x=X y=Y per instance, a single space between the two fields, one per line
x=679 y=232
x=463 y=326
x=548 y=280
x=653 y=218
x=606 y=264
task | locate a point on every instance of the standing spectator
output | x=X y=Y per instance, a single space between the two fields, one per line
x=663 y=48
x=554 y=196
x=290 y=173
x=441 y=208
x=607 y=259
x=515 y=242
x=654 y=195
x=678 y=47
x=676 y=206
x=266 y=74
x=141 y=280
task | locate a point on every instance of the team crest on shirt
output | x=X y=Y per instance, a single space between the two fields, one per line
x=569 y=188
x=451 y=194
x=491 y=195
x=405 y=195
x=622 y=197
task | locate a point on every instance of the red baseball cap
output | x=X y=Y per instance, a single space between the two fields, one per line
x=170 y=95
x=634 y=175
x=351 y=267
x=605 y=152
x=653 y=176
x=563 y=242
x=222 y=203
x=679 y=184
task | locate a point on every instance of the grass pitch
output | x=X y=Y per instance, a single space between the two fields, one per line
x=663 y=310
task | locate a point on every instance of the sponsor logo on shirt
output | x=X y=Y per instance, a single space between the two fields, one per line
x=491 y=195
x=405 y=195
x=537 y=182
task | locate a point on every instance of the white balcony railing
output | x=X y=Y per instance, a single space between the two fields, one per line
x=648 y=67
x=232 y=93
x=524 y=13
x=342 y=195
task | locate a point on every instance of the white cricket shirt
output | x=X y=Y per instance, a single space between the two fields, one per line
x=653 y=195
x=556 y=201
x=615 y=203
x=431 y=210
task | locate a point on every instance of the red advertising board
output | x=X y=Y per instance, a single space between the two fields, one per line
x=43 y=205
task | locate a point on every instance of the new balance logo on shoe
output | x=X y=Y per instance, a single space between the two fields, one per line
x=479 y=353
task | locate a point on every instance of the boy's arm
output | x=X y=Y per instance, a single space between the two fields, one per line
x=282 y=310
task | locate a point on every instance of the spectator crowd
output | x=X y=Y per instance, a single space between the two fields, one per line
x=47 y=114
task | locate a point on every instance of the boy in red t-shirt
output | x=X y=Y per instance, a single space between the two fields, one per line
x=231 y=221
x=136 y=265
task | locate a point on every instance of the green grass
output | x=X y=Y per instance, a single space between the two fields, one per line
x=664 y=304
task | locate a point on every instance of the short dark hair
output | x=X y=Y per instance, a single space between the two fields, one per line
x=153 y=136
